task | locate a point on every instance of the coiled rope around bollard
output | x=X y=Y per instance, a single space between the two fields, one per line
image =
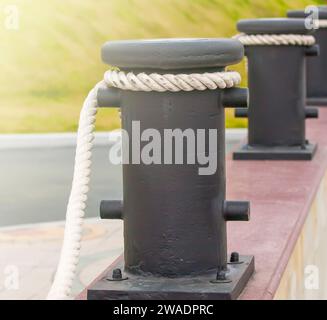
x=70 y=252
x=171 y=82
x=275 y=39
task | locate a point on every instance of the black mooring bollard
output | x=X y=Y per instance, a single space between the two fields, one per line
x=316 y=68
x=276 y=75
x=174 y=219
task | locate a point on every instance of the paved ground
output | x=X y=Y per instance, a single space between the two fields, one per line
x=36 y=179
x=29 y=256
x=36 y=173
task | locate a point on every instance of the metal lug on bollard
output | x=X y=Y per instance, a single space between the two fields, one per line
x=175 y=236
x=316 y=67
x=236 y=97
x=276 y=74
x=311 y=113
x=313 y=51
x=109 y=97
x=237 y=210
x=111 y=209
x=241 y=113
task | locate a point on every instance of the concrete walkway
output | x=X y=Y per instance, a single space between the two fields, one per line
x=29 y=256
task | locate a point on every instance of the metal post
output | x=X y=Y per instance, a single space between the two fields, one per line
x=276 y=76
x=174 y=218
x=316 y=68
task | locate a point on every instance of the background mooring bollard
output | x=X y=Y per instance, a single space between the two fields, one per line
x=276 y=50
x=175 y=243
x=316 y=68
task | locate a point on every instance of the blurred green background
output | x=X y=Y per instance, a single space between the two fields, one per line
x=52 y=60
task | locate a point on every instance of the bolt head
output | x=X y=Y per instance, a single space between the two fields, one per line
x=234 y=257
x=221 y=275
x=117 y=274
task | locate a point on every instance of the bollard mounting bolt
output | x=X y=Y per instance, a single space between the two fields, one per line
x=221 y=277
x=117 y=275
x=235 y=258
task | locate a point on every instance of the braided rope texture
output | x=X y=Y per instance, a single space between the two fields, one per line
x=171 y=82
x=275 y=39
x=61 y=287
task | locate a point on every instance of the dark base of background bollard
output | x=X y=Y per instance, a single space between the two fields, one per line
x=275 y=153
x=316 y=101
x=187 y=288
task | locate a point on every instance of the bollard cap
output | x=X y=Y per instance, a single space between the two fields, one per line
x=273 y=26
x=322 y=11
x=172 y=54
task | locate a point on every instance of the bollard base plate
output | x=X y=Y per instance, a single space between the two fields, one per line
x=317 y=101
x=145 y=287
x=247 y=152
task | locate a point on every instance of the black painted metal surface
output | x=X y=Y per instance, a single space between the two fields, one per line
x=112 y=209
x=277 y=84
x=176 y=54
x=273 y=26
x=137 y=287
x=174 y=218
x=317 y=67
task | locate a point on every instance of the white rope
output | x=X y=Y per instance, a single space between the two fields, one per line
x=322 y=24
x=171 y=82
x=275 y=39
x=61 y=287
